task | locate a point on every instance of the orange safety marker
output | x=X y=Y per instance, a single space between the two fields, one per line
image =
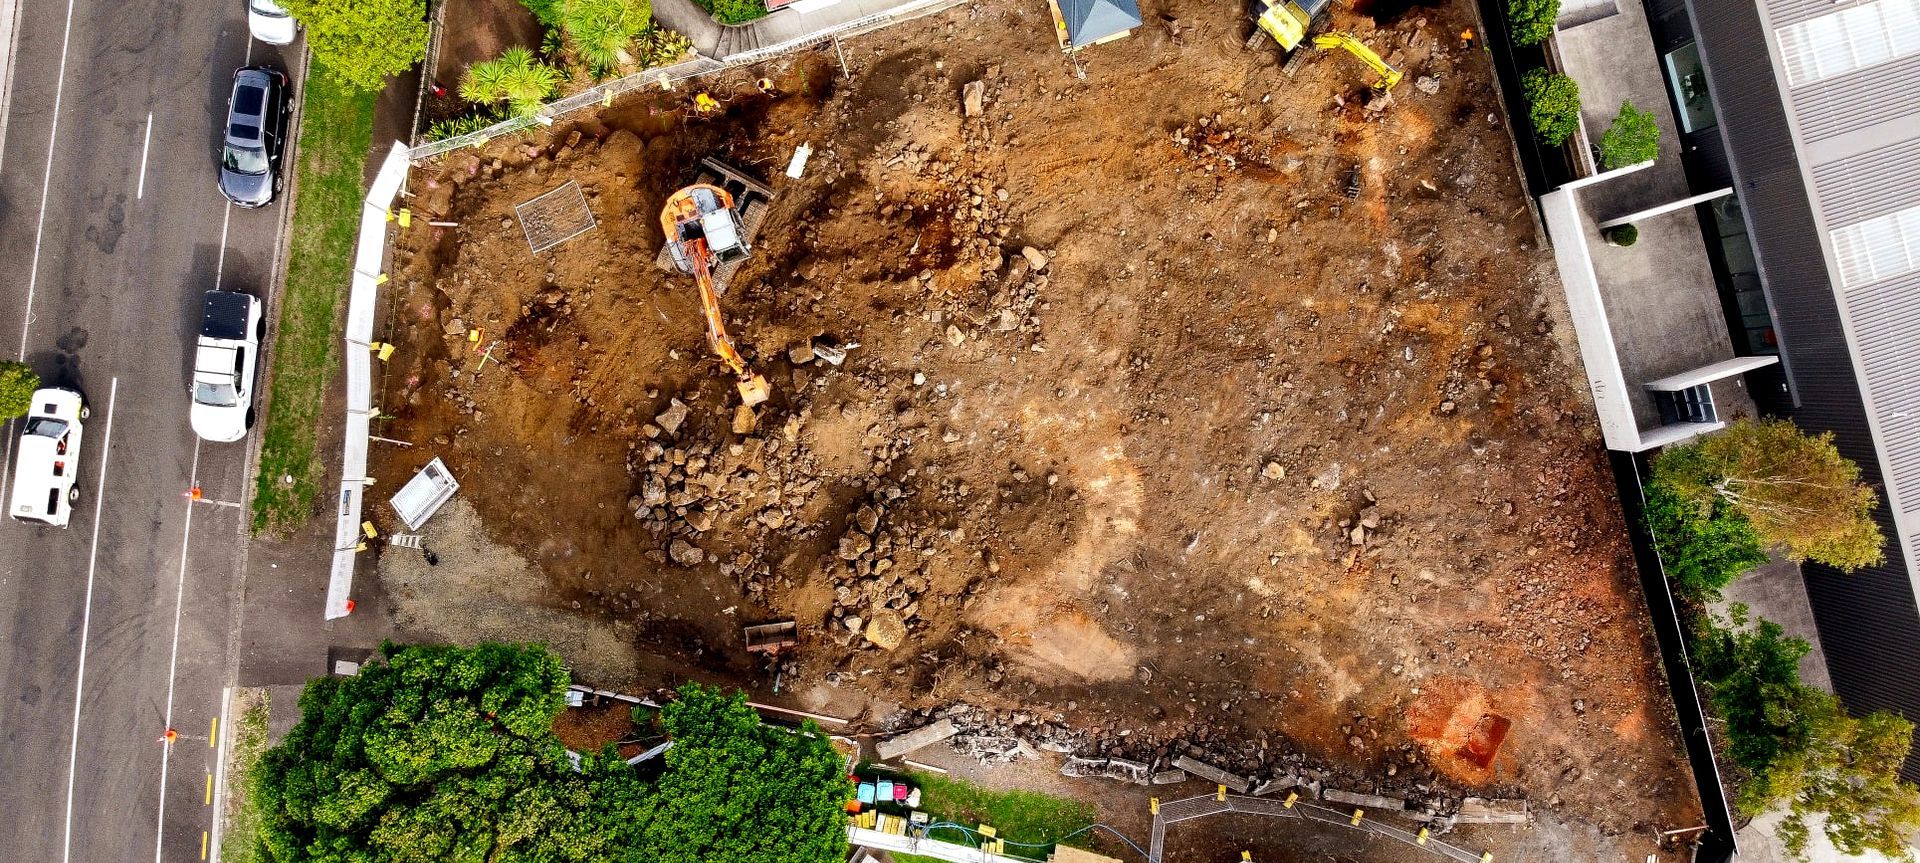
x=193 y=493
x=350 y=606
x=169 y=737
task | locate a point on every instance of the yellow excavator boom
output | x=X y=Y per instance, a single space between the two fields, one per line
x=1389 y=76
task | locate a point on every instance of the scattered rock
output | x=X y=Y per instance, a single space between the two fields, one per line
x=685 y=553
x=886 y=630
x=1427 y=84
x=1274 y=470
x=973 y=98
x=1035 y=258
x=669 y=420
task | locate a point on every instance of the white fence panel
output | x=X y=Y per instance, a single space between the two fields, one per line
x=368 y=261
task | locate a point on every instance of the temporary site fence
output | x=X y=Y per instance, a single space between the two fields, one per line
x=666 y=76
x=1216 y=804
x=369 y=263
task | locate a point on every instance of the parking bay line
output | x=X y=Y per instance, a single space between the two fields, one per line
x=146 y=147
x=86 y=621
x=173 y=659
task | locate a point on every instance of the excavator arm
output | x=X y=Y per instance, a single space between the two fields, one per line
x=680 y=213
x=1389 y=76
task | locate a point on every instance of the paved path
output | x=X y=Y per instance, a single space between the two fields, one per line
x=110 y=229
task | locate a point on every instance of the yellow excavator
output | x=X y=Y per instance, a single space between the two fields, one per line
x=1290 y=21
x=702 y=229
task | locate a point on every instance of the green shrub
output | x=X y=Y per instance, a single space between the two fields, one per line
x=458 y=126
x=661 y=47
x=1633 y=138
x=17 y=383
x=600 y=31
x=1703 y=546
x=1553 y=104
x=1623 y=235
x=516 y=78
x=734 y=11
x=1532 y=20
x=363 y=42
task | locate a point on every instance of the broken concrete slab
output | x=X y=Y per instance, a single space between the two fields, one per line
x=1364 y=801
x=1078 y=767
x=1212 y=774
x=1169 y=777
x=1478 y=810
x=926 y=735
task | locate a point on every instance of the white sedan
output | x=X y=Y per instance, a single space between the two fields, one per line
x=46 y=469
x=269 y=23
x=223 y=366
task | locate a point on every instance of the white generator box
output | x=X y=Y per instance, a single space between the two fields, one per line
x=422 y=496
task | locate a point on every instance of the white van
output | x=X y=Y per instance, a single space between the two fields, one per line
x=46 y=470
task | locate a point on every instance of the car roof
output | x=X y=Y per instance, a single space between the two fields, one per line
x=224 y=315
x=249 y=109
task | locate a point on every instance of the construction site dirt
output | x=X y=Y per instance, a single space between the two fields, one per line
x=1098 y=403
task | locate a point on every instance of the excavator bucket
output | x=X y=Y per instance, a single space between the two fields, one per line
x=753 y=389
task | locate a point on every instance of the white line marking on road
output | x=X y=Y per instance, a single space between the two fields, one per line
x=220 y=264
x=86 y=621
x=145 y=148
x=173 y=658
x=46 y=183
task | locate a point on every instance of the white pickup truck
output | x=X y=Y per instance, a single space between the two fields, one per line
x=46 y=470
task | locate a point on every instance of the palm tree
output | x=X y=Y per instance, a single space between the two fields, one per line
x=514 y=77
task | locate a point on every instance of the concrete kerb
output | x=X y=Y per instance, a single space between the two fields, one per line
x=368 y=273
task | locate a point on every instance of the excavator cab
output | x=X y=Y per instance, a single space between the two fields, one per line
x=1287 y=21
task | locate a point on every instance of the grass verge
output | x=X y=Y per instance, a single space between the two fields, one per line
x=237 y=844
x=1034 y=820
x=336 y=128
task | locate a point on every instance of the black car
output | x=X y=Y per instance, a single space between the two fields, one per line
x=255 y=136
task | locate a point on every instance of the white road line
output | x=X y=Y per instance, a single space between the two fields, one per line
x=46 y=181
x=86 y=622
x=173 y=658
x=145 y=148
x=220 y=263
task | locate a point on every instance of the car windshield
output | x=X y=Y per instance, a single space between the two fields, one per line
x=214 y=395
x=244 y=161
x=267 y=8
x=46 y=427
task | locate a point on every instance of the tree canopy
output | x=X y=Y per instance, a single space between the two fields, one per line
x=1796 y=489
x=1553 y=104
x=17 y=383
x=1704 y=545
x=447 y=754
x=1799 y=746
x=1532 y=20
x=1633 y=138
x=363 y=42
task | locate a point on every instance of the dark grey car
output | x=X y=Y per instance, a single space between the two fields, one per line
x=255 y=136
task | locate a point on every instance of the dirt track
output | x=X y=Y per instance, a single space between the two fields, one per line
x=1232 y=457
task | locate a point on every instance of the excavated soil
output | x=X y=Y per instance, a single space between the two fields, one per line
x=1144 y=425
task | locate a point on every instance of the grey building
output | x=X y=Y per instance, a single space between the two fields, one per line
x=1809 y=111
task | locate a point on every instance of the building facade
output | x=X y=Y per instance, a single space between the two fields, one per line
x=1809 y=110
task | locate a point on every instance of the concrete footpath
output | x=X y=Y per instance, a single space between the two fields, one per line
x=9 y=34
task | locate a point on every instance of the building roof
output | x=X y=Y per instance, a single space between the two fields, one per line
x=1089 y=21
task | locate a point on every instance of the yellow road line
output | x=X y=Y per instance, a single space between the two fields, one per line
x=209 y=788
x=203 y=844
x=213 y=736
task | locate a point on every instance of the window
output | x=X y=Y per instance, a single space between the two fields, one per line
x=1850 y=39
x=1878 y=248
x=1688 y=81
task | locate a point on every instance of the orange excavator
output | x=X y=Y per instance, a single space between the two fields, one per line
x=703 y=232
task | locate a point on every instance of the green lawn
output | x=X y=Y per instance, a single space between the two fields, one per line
x=249 y=739
x=336 y=128
x=1019 y=816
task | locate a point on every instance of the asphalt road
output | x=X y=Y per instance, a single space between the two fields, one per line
x=124 y=624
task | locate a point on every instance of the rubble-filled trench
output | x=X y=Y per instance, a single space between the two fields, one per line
x=1186 y=408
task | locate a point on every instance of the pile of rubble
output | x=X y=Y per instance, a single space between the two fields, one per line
x=878 y=570
x=1214 y=146
x=1245 y=766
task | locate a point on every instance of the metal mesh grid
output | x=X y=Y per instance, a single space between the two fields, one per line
x=555 y=217
x=1199 y=807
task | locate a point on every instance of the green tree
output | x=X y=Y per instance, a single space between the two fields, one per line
x=1633 y=138
x=515 y=77
x=740 y=791
x=17 y=383
x=1703 y=546
x=1532 y=20
x=1796 y=489
x=1553 y=104
x=738 y=11
x=1799 y=746
x=363 y=42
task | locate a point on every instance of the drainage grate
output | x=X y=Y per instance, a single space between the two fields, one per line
x=555 y=217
